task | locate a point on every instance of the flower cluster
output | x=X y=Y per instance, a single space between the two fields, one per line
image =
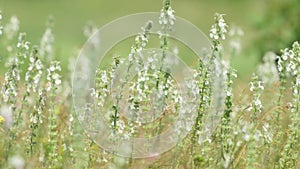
x=11 y=28
x=38 y=109
x=235 y=33
x=122 y=130
x=288 y=64
x=9 y=89
x=203 y=80
x=53 y=76
x=139 y=44
x=219 y=29
x=256 y=88
x=36 y=120
x=187 y=115
x=23 y=46
x=267 y=133
x=89 y=30
x=167 y=17
x=134 y=58
x=289 y=60
x=34 y=72
x=267 y=71
x=102 y=87
x=231 y=74
x=217 y=32
x=104 y=81
x=149 y=94
x=46 y=45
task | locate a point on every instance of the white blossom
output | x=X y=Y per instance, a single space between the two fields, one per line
x=167 y=17
x=34 y=73
x=267 y=71
x=12 y=27
x=89 y=29
x=267 y=133
x=289 y=60
x=139 y=44
x=9 y=89
x=22 y=44
x=256 y=88
x=235 y=34
x=53 y=76
x=46 y=45
x=219 y=29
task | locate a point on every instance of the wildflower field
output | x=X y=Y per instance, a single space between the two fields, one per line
x=165 y=96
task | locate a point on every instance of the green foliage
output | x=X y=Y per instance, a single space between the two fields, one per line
x=279 y=27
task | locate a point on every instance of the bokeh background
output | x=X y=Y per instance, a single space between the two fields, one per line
x=267 y=24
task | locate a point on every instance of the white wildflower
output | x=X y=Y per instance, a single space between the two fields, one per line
x=266 y=133
x=285 y=54
x=53 y=76
x=140 y=43
x=22 y=44
x=9 y=89
x=12 y=27
x=289 y=60
x=260 y=86
x=267 y=70
x=252 y=86
x=219 y=29
x=256 y=88
x=34 y=73
x=167 y=17
x=46 y=45
x=102 y=87
x=89 y=29
x=235 y=34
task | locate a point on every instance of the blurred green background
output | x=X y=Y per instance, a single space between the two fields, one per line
x=261 y=20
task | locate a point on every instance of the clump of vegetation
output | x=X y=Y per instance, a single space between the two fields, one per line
x=257 y=126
